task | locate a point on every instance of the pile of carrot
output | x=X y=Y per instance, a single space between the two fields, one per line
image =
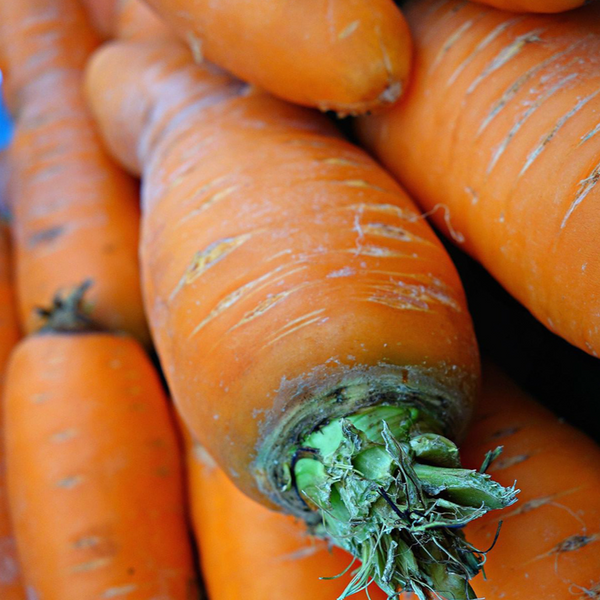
x=178 y=213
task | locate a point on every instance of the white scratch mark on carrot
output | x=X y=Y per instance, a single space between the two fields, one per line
x=525 y=117
x=255 y=285
x=122 y=590
x=487 y=40
x=585 y=187
x=211 y=201
x=267 y=304
x=91 y=565
x=349 y=30
x=473 y=194
x=195 y=44
x=458 y=237
x=392 y=232
x=390 y=209
x=358 y=228
x=454 y=37
x=590 y=134
x=296 y=325
x=343 y=272
x=342 y=162
x=557 y=127
x=505 y=56
x=87 y=541
x=63 y=436
x=70 y=482
x=517 y=85
x=417 y=295
x=207 y=258
x=378 y=251
x=361 y=183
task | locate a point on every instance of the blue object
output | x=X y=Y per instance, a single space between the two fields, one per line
x=5 y=122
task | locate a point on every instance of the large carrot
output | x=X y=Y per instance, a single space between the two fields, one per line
x=535 y=6
x=248 y=551
x=76 y=213
x=297 y=299
x=94 y=468
x=549 y=544
x=350 y=56
x=500 y=138
x=11 y=587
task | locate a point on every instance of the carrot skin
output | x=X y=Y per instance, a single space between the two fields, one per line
x=94 y=471
x=76 y=214
x=549 y=544
x=350 y=56
x=498 y=137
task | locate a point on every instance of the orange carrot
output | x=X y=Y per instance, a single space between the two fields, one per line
x=250 y=552
x=94 y=468
x=297 y=298
x=535 y=6
x=499 y=138
x=549 y=544
x=11 y=587
x=350 y=56
x=76 y=213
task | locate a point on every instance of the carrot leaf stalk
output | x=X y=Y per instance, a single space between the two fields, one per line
x=68 y=313
x=392 y=492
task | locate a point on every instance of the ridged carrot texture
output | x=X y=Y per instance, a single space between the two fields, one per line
x=248 y=551
x=94 y=470
x=535 y=6
x=11 y=587
x=350 y=56
x=290 y=284
x=549 y=544
x=135 y=20
x=500 y=138
x=76 y=214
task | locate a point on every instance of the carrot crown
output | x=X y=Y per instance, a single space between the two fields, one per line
x=68 y=312
x=391 y=490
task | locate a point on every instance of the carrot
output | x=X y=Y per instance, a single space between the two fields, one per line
x=549 y=544
x=297 y=299
x=250 y=552
x=499 y=137
x=94 y=467
x=11 y=587
x=136 y=20
x=76 y=214
x=535 y=6
x=350 y=56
